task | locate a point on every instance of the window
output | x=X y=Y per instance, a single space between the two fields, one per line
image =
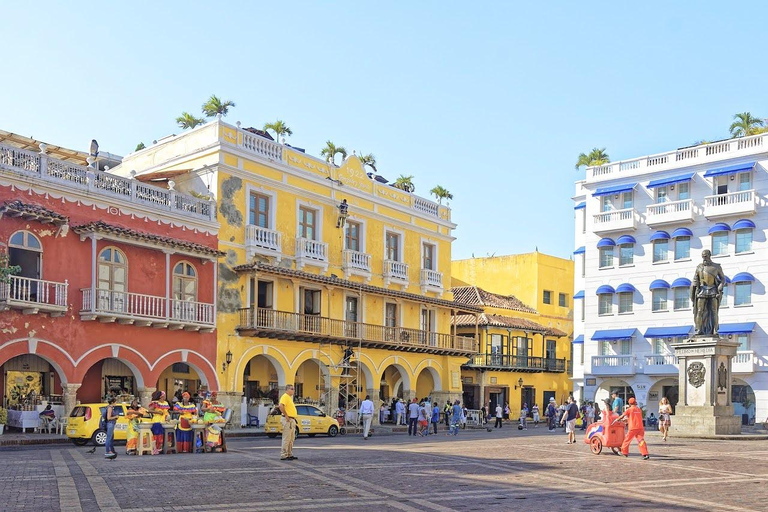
x=604 y=348
x=683 y=191
x=583 y=265
x=523 y=346
x=258 y=210
x=626 y=254
x=661 y=195
x=719 y=243
x=625 y=347
x=605 y=304
x=310 y=302
x=584 y=220
x=660 y=250
x=743 y=241
x=625 y=302
x=184 y=282
x=743 y=294
x=682 y=298
x=261 y=293
x=393 y=246
x=659 y=347
x=743 y=340
x=112 y=270
x=352 y=240
x=724 y=299
x=428 y=256
x=180 y=368
x=428 y=318
x=659 y=299
x=606 y=257
x=581 y=355
x=605 y=204
x=583 y=309
x=547 y=298
x=25 y=250
x=307 y=223
x=390 y=314
x=745 y=181
x=682 y=248
x=627 y=203
x=562 y=300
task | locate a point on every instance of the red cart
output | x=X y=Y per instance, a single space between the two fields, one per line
x=603 y=434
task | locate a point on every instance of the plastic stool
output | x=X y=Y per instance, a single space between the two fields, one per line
x=169 y=440
x=146 y=442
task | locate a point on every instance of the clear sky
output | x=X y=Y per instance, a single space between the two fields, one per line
x=492 y=100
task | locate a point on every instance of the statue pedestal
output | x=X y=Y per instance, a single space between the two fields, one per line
x=705 y=407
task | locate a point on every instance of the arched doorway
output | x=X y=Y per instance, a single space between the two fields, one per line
x=261 y=379
x=29 y=376
x=107 y=375
x=743 y=399
x=669 y=388
x=607 y=387
x=311 y=383
x=425 y=383
x=394 y=383
x=178 y=378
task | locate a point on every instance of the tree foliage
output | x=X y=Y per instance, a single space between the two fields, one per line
x=331 y=150
x=745 y=124
x=369 y=160
x=216 y=105
x=441 y=193
x=595 y=157
x=404 y=182
x=187 y=120
x=279 y=128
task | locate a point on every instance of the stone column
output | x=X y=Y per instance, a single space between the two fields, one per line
x=70 y=397
x=145 y=396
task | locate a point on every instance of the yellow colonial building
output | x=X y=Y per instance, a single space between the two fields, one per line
x=341 y=304
x=524 y=351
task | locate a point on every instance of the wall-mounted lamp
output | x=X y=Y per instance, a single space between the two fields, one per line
x=733 y=177
x=671 y=187
x=227 y=361
x=519 y=383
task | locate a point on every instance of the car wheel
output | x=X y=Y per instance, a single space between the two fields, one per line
x=333 y=430
x=99 y=438
x=80 y=442
x=272 y=436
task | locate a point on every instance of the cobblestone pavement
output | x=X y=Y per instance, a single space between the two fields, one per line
x=500 y=470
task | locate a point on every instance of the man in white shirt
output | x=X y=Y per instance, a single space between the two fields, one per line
x=499 y=415
x=366 y=413
x=413 y=418
x=400 y=410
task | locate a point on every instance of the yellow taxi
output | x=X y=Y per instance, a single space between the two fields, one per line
x=310 y=421
x=84 y=421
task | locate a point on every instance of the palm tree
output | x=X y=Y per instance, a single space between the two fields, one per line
x=595 y=157
x=280 y=128
x=745 y=125
x=187 y=120
x=405 y=183
x=441 y=193
x=139 y=146
x=215 y=106
x=331 y=150
x=370 y=161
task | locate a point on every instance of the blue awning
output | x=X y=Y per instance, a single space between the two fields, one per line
x=743 y=277
x=731 y=169
x=625 y=288
x=668 y=332
x=743 y=224
x=613 y=334
x=659 y=284
x=616 y=189
x=660 y=235
x=720 y=226
x=579 y=295
x=663 y=182
x=605 y=289
x=727 y=280
x=626 y=239
x=742 y=328
x=578 y=339
x=580 y=250
x=682 y=232
x=680 y=282
x=606 y=242
x=581 y=205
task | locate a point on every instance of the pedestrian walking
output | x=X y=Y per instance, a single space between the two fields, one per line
x=456 y=414
x=484 y=414
x=413 y=418
x=499 y=416
x=590 y=414
x=428 y=412
x=289 y=413
x=524 y=417
x=535 y=411
x=633 y=416
x=424 y=415
x=551 y=414
x=435 y=417
x=665 y=420
x=506 y=411
x=569 y=419
x=366 y=413
x=447 y=410
x=110 y=419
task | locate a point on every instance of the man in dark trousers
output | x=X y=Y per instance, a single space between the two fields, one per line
x=551 y=414
x=569 y=419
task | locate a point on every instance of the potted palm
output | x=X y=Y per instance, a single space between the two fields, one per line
x=3 y=419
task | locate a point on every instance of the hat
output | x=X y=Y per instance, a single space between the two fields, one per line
x=632 y=401
x=551 y=399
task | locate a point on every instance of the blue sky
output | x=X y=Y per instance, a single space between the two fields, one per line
x=493 y=101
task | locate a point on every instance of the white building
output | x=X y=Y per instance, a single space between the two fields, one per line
x=641 y=226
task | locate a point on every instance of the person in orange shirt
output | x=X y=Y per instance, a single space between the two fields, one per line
x=634 y=418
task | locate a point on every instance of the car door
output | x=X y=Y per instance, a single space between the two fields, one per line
x=317 y=419
x=304 y=419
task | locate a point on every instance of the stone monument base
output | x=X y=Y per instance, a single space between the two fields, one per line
x=705 y=421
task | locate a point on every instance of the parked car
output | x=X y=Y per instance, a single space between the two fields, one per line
x=311 y=421
x=84 y=420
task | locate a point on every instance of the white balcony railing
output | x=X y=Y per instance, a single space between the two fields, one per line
x=263 y=241
x=34 y=295
x=744 y=362
x=261 y=146
x=613 y=365
x=355 y=260
x=395 y=270
x=311 y=249
x=188 y=311
x=431 y=278
x=616 y=220
x=732 y=203
x=672 y=211
x=92 y=181
x=426 y=206
x=659 y=360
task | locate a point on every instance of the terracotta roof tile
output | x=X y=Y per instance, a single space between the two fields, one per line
x=103 y=227
x=510 y=322
x=32 y=211
x=479 y=297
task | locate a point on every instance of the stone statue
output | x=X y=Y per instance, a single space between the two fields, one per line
x=706 y=293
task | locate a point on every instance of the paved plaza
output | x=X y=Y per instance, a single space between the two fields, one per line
x=500 y=470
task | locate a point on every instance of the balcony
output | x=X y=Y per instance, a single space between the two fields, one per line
x=744 y=362
x=68 y=175
x=357 y=263
x=269 y=323
x=147 y=310
x=34 y=296
x=517 y=363
x=660 y=365
x=311 y=252
x=266 y=242
x=732 y=203
x=607 y=366
x=395 y=272
x=669 y=213
x=431 y=280
x=616 y=220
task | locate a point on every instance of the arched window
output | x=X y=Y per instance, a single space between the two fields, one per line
x=26 y=251
x=184 y=281
x=113 y=270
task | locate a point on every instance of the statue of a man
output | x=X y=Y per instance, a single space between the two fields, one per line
x=706 y=293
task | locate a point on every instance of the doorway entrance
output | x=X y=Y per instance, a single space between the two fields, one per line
x=527 y=396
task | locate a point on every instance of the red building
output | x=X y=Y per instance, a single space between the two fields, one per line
x=116 y=286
